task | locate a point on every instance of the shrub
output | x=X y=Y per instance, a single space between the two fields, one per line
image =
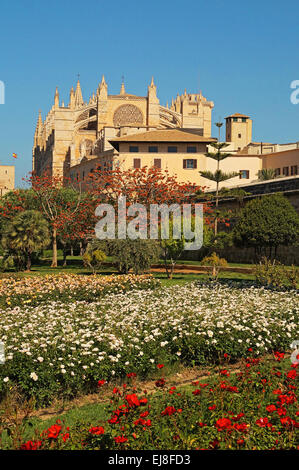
x=216 y=263
x=93 y=258
x=273 y=274
x=138 y=254
x=266 y=223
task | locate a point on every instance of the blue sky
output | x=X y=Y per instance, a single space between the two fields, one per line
x=242 y=55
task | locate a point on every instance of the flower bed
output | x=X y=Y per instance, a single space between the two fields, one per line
x=60 y=349
x=256 y=408
x=67 y=287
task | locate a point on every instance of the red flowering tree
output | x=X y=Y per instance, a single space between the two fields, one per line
x=64 y=207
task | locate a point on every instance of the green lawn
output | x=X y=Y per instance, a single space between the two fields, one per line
x=75 y=266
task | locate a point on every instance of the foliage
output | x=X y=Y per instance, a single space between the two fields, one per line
x=14 y=202
x=273 y=274
x=218 y=176
x=26 y=234
x=99 y=327
x=67 y=288
x=266 y=174
x=216 y=263
x=266 y=223
x=137 y=255
x=93 y=258
x=253 y=409
x=69 y=214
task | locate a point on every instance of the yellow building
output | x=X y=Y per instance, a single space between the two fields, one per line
x=72 y=133
x=130 y=131
x=7 y=178
x=180 y=152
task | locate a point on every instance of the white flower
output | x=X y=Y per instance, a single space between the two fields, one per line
x=6 y=379
x=34 y=376
x=40 y=359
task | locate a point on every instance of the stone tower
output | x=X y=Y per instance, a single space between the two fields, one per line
x=239 y=130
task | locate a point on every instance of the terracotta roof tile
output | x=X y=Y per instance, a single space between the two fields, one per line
x=164 y=135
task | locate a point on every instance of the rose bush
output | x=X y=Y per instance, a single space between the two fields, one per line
x=254 y=409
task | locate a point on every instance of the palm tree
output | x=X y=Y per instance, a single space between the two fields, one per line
x=26 y=234
x=266 y=174
x=218 y=176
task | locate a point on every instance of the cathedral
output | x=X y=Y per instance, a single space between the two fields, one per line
x=80 y=131
x=129 y=131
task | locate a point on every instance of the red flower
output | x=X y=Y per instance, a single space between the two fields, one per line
x=279 y=356
x=53 y=431
x=212 y=408
x=240 y=426
x=224 y=372
x=101 y=383
x=31 y=445
x=287 y=421
x=160 y=366
x=120 y=439
x=223 y=424
x=143 y=401
x=262 y=422
x=292 y=374
x=196 y=392
x=240 y=442
x=160 y=383
x=169 y=410
x=144 y=414
x=113 y=419
x=131 y=374
x=271 y=408
x=133 y=400
x=97 y=430
x=66 y=436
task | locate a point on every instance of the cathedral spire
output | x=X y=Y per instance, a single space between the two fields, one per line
x=122 y=88
x=103 y=89
x=72 y=98
x=78 y=95
x=39 y=120
x=38 y=129
x=56 y=98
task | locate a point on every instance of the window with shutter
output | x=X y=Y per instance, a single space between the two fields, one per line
x=137 y=162
x=157 y=162
x=244 y=174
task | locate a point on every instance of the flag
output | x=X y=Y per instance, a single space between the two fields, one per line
x=14 y=155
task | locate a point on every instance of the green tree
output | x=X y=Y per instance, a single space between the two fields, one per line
x=218 y=176
x=138 y=254
x=25 y=235
x=266 y=223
